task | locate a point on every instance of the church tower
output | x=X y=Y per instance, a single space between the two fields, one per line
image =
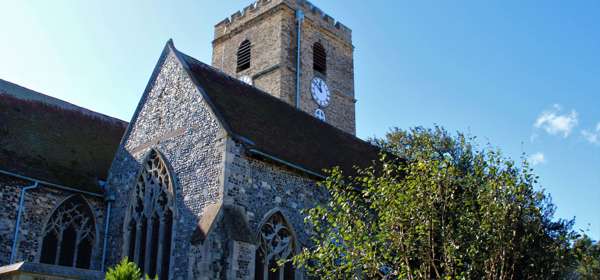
x=313 y=72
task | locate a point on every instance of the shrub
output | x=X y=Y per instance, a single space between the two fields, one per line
x=125 y=270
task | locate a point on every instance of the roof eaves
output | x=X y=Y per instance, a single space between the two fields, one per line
x=50 y=184
x=287 y=163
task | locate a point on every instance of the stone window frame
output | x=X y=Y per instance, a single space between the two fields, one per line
x=172 y=207
x=95 y=244
x=295 y=243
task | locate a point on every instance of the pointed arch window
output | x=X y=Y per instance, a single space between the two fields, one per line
x=244 y=55
x=150 y=224
x=277 y=243
x=319 y=58
x=69 y=235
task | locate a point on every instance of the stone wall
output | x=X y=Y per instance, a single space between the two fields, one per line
x=173 y=119
x=39 y=204
x=254 y=189
x=271 y=27
x=263 y=188
x=266 y=47
x=10 y=188
x=339 y=77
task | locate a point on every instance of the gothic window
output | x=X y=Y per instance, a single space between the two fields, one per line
x=276 y=244
x=150 y=225
x=243 y=56
x=69 y=235
x=319 y=58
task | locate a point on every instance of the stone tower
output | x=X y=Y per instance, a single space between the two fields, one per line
x=259 y=45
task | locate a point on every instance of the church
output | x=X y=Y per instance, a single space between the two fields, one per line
x=208 y=179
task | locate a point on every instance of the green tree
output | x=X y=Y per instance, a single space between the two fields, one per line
x=436 y=207
x=587 y=253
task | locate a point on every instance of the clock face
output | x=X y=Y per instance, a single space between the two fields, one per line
x=246 y=79
x=319 y=91
x=320 y=114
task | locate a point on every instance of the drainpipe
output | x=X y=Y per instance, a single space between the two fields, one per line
x=13 y=252
x=299 y=19
x=109 y=200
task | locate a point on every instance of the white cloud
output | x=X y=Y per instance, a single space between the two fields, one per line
x=592 y=136
x=537 y=158
x=554 y=122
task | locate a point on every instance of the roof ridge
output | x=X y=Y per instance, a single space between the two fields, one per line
x=36 y=96
x=99 y=117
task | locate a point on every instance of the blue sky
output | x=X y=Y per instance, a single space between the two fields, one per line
x=521 y=75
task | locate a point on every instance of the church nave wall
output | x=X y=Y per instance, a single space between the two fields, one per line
x=262 y=189
x=39 y=204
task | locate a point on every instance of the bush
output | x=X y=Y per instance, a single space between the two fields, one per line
x=125 y=270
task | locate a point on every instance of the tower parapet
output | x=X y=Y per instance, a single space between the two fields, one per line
x=312 y=12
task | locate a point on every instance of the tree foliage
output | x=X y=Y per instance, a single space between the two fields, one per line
x=436 y=207
x=125 y=270
x=587 y=254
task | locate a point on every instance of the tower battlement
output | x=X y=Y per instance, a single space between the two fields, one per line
x=312 y=12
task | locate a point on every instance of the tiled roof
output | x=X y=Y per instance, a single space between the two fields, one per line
x=274 y=128
x=51 y=140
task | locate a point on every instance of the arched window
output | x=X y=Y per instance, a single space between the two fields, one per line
x=150 y=225
x=276 y=243
x=243 y=56
x=319 y=58
x=69 y=235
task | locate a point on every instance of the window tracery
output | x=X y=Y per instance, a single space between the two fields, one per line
x=69 y=235
x=150 y=225
x=276 y=244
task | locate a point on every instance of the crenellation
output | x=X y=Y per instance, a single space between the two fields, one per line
x=341 y=26
x=262 y=3
x=236 y=15
x=311 y=11
x=249 y=8
x=223 y=22
x=241 y=16
x=329 y=19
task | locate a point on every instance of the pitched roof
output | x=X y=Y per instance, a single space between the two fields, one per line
x=52 y=140
x=273 y=128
